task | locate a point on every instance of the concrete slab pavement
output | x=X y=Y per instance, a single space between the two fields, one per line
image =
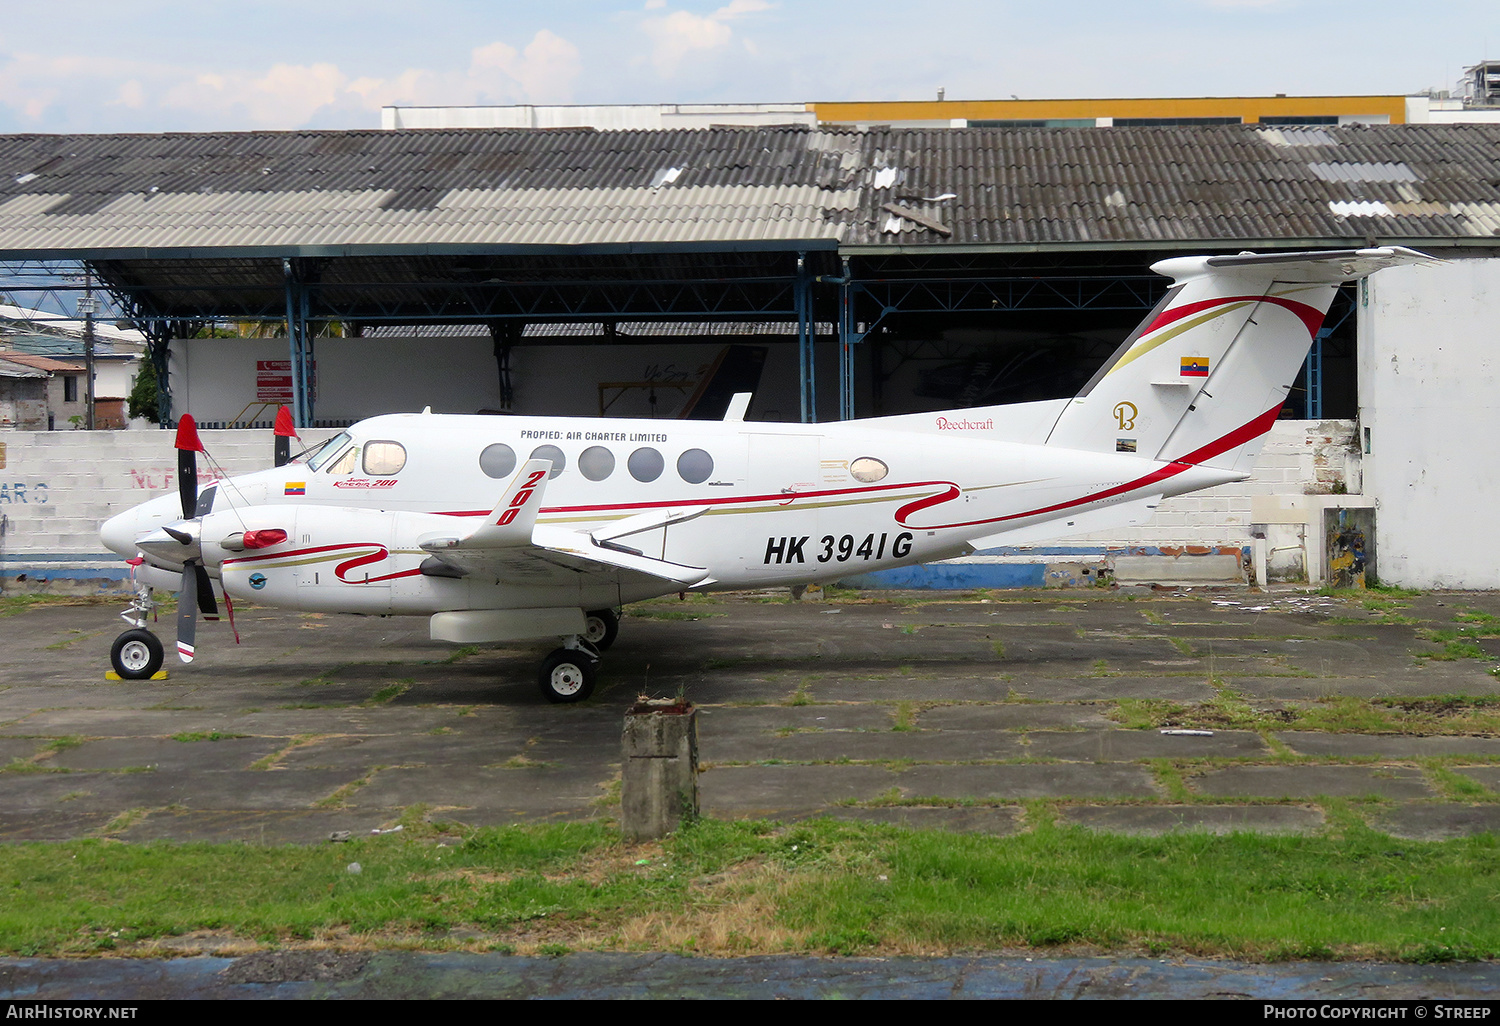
x=933 y=710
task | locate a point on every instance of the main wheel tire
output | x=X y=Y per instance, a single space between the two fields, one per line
x=600 y=628
x=136 y=655
x=568 y=675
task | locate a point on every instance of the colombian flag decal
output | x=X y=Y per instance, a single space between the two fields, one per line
x=1194 y=367
x=296 y=488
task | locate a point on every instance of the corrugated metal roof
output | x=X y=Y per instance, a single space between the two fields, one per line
x=522 y=188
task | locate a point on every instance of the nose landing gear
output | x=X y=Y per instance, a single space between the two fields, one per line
x=137 y=654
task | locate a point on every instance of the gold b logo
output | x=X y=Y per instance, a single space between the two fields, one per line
x=1125 y=413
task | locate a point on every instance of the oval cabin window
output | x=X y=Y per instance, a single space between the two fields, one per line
x=498 y=460
x=596 y=463
x=646 y=464
x=868 y=469
x=553 y=453
x=695 y=466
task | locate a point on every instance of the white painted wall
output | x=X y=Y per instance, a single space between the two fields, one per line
x=57 y=487
x=1430 y=399
x=1300 y=458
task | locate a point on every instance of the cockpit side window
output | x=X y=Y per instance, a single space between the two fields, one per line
x=318 y=455
x=346 y=463
x=384 y=458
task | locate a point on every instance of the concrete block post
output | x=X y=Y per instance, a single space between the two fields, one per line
x=659 y=790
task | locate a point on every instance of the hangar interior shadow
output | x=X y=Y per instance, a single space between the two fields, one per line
x=875 y=334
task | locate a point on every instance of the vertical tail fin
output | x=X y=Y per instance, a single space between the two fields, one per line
x=1202 y=379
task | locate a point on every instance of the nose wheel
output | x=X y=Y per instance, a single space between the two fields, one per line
x=569 y=674
x=136 y=655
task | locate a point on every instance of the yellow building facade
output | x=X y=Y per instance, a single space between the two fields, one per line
x=1284 y=110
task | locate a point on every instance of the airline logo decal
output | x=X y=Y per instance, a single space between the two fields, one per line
x=1125 y=414
x=363 y=482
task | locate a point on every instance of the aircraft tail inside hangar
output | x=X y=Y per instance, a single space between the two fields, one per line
x=880 y=271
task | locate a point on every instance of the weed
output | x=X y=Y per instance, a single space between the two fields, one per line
x=389 y=693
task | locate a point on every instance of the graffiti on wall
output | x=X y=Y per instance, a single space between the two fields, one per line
x=23 y=491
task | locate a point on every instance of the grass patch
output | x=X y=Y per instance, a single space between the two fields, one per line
x=720 y=888
x=660 y=613
x=14 y=605
x=390 y=692
x=77 y=636
x=1457 y=644
x=1183 y=645
x=203 y=735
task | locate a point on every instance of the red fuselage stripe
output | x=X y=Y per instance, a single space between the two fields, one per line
x=1311 y=316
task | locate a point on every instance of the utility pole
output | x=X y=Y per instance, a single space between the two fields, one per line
x=86 y=306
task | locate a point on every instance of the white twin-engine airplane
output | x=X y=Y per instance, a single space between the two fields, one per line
x=506 y=529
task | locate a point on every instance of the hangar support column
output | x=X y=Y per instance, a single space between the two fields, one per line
x=300 y=340
x=806 y=335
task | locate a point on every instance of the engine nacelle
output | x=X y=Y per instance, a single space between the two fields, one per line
x=329 y=558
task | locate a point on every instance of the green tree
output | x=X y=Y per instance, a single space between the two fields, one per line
x=143 y=393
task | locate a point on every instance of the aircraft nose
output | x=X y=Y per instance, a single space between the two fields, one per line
x=120 y=532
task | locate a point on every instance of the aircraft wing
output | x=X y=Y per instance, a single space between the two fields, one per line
x=557 y=556
x=510 y=548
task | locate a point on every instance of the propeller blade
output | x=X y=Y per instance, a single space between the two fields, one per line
x=206 y=604
x=187 y=610
x=188 y=446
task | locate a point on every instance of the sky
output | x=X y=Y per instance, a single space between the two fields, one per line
x=160 y=65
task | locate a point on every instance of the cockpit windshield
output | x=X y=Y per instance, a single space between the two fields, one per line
x=319 y=454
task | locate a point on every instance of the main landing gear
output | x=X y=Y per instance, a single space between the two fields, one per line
x=137 y=654
x=570 y=672
x=600 y=628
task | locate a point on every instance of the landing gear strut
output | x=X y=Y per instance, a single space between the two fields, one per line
x=137 y=654
x=569 y=673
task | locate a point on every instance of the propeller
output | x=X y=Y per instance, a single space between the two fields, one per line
x=182 y=541
x=197 y=595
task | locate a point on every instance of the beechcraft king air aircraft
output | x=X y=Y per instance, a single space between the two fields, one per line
x=505 y=529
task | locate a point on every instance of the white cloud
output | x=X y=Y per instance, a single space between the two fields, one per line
x=740 y=8
x=39 y=89
x=681 y=34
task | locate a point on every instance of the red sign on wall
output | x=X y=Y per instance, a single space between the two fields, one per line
x=273 y=380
